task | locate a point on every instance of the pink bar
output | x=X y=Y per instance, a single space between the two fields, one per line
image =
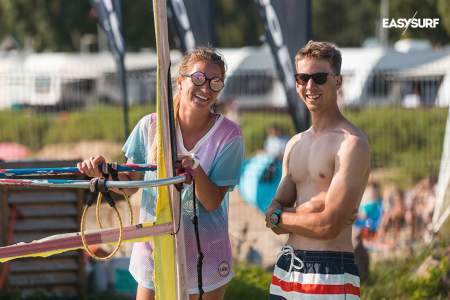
x=105 y=236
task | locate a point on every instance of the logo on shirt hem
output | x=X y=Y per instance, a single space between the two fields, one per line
x=224 y=268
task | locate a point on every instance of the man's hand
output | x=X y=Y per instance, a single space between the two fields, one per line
x=275 y=204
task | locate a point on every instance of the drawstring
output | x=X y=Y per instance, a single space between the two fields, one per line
x=288 y=250
x=199 y=248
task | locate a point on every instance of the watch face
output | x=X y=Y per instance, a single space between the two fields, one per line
x=274 y=218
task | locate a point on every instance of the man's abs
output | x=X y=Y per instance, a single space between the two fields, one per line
x=343 y=242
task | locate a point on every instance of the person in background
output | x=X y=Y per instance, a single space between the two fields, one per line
x=370 y=211
x=394 y=216
x=275 y=142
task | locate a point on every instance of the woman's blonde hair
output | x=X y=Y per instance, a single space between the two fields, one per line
x=206 y=54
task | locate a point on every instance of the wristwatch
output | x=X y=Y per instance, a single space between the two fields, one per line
x=275 y=217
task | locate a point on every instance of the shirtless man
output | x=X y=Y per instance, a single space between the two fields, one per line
x=325 y=171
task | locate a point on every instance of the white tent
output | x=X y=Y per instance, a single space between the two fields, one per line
x=438 y=67
x=357 y=65
x=49 y=78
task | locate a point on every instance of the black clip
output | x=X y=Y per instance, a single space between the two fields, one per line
x=98 y=185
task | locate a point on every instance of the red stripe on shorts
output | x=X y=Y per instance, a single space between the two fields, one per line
x=323 y=289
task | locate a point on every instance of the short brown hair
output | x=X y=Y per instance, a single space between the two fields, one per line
x=321 y=50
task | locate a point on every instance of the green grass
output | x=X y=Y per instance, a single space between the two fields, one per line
x=250 y=283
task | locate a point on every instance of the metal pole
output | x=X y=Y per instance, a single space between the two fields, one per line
x=123 y=83
x=383 y=32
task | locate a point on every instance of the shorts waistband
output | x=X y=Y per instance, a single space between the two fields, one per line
x=328 y=256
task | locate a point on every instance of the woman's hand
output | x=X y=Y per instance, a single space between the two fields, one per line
x=89 y=166
x=189 y=162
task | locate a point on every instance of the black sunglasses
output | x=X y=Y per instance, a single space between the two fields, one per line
x=199 y=78
x=318 y=78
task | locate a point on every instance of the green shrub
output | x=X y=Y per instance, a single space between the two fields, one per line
x=24 y=128
x=254 y=126
x=96 y=123
x=407 y=140
x=35 y=130
x=394 y=279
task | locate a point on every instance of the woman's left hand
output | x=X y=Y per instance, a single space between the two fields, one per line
x=188 y=162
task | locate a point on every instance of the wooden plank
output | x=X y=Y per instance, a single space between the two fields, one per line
x=41 y=224
x=82 y=194
x=45 y=210
x=4 y=213
x=45 y=264
x=39 y=196
x=47 y=278
x=57 y=290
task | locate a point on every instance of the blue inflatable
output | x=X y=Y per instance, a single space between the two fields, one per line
x=259 y=179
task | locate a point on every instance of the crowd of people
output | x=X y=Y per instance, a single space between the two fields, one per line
x=396 y=217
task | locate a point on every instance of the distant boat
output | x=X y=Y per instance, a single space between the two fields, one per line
x=259 y=180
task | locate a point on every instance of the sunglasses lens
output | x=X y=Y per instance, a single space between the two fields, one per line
x=216 y=84
x=198 y=78
x=301 y=78
x=319 y=78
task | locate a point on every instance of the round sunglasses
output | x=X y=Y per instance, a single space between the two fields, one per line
x=318 y=78
x=199 y=78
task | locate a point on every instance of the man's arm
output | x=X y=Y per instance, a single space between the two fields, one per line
x=314 y=205
x=287 y=191
x=352 y=166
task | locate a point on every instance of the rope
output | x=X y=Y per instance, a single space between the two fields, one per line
x=199 y=249
x=99 y=185
x=289 y=251
x=97 y=208
x=83 y=236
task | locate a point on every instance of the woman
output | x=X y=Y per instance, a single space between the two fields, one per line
x=211 y=145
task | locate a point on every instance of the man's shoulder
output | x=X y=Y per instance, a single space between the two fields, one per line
x=353 y=134
x=299 y=136
x=355 y=146
x=294 y=140
x=359 y=138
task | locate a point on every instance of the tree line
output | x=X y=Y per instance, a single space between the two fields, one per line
x=59 y=25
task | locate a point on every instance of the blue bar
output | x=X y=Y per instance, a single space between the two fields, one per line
x=6 y=173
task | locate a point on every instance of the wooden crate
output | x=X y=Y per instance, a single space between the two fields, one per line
x=41 y=212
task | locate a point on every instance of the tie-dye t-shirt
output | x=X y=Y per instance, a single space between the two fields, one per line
x=220 y=152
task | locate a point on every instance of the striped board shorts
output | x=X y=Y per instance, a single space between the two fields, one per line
x=301 y=274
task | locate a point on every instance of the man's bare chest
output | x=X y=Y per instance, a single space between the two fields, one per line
x=312 y=160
